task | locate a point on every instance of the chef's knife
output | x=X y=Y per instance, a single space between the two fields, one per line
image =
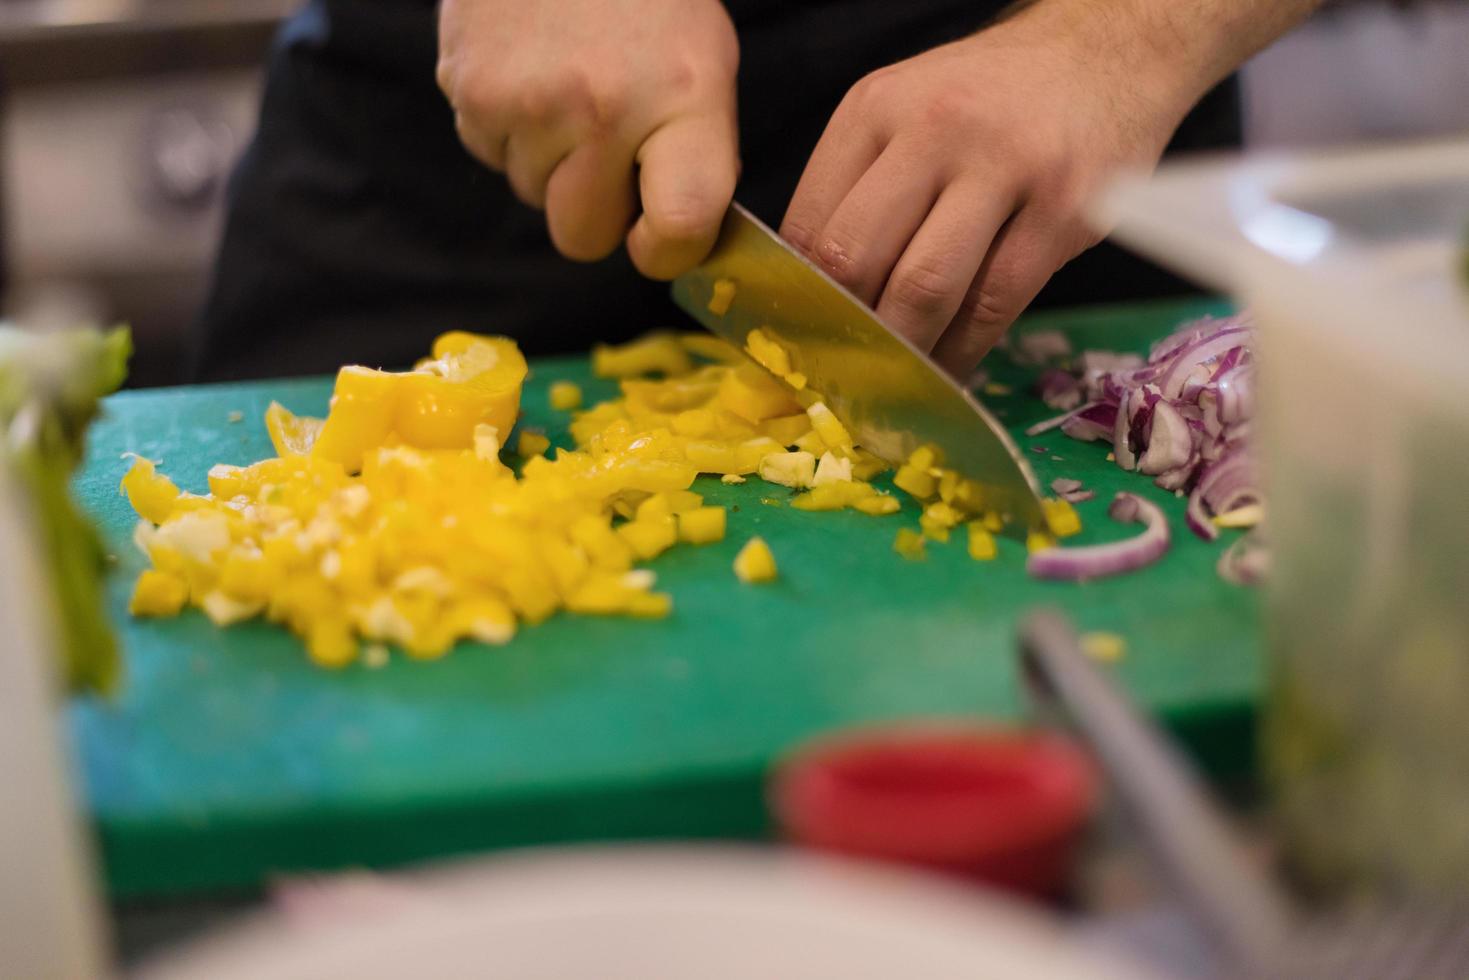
x=888 y=394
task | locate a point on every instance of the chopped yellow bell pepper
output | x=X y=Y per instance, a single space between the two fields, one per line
x=703 y=525
x=291 y=435
x=914 y=481
x=1103 y=646
x=767 y=352
x=910 y=544
x=1061 y=518
x=532 y=444
x=981 y=542
x=158 y=594
x=151 y=494
x=755 y=562
x=650 y=538
x=788 y=469
x=754 y=396
x=828 y=427
x=723 y=295
x=565 y=396
x=654 y=354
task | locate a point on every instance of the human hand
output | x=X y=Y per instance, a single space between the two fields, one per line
x=949 y=187
x=604 y=114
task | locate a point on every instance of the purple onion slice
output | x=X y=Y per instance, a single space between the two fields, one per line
x=1095 y=561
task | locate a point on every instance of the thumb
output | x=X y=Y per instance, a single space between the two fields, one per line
x=687 y=173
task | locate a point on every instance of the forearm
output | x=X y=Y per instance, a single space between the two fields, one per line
x=1184 y=47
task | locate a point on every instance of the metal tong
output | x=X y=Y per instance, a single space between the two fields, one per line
x=1255 y=927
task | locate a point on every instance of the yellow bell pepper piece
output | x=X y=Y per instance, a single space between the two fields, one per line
x=1061 y=518
x=796 y=469
x=754 y=396
x=158 y=594
x=723 y=295
x=151 y=494
x=828 y=427
x=915 y=482
x=650 y=538
x=532 y=444
x=655 y=354
x=755 y=562
x=703 y=525
x=767 y=352
x=565 y=396
x=291 y=435
x=910 y=544
x=981 y=542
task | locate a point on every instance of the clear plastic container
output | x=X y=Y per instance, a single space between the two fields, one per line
x=1355 y=266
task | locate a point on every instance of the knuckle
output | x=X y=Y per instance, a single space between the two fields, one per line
x=947 y=111
x=838 y=259
x=606 y=105
x=923 y=290
x=681 y=222
x=988 y=310
x=799 y=234
x=535 y=104
x=444 y=76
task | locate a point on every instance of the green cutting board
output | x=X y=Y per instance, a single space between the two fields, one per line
x=227 y=757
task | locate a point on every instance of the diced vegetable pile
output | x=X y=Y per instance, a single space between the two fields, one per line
x=395 y=520
x=1182 y=416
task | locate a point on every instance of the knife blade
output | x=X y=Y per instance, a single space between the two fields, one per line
x=892 y=398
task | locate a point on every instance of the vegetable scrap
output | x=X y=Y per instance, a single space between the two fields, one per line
x=1103 y=646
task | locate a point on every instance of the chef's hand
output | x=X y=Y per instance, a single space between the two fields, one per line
x=607 y=115
x=949 y=187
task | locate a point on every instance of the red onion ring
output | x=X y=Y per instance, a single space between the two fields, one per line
x=1095 y=561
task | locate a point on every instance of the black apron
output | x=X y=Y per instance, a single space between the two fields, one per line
x=359 y=228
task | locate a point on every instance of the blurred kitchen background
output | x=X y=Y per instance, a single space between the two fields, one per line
x=120 y=120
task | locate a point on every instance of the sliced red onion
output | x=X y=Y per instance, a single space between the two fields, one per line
x=1223 y=485
x=1197 y=518
x=1236 y=394
x=1059 y=390
x=1040 y=346
x=1140 y=418
x=1193 y=331
x=1108 y=362
x=1178 y=477
x=1187 y=334
x=1194 y=360
x=1120 y=429
x=1234 y=357
x=1046 y=425
x=1235 y=434
x=1209 y=410
x=1245 y=562
x=1171 y=443
x=1077 y=496
x=1062 y=485
x=1095 y=561
x=1094 y=421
